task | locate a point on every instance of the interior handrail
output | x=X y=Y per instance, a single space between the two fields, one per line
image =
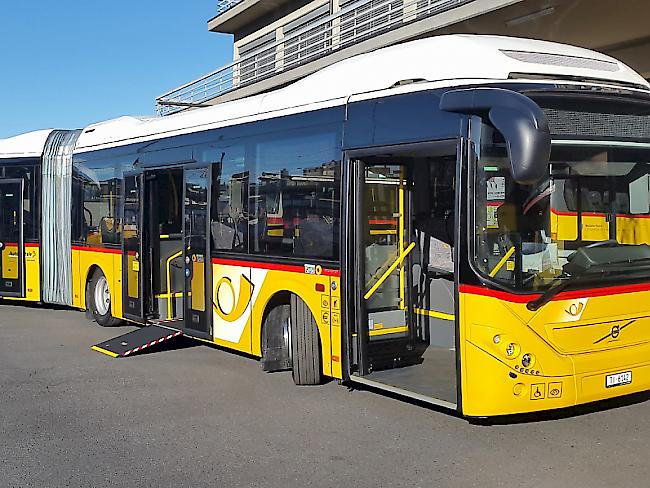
x=390 y=269
x=169 y=282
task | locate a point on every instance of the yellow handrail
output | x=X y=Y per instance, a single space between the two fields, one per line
x=169 y=283
x=392 y=267
x=500 y=264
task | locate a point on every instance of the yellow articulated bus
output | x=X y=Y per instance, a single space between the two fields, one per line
x=462 y=220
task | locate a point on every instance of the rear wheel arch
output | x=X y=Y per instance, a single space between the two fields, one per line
x=101 y=313
x=290 y=339
x=92 y=269
x=275 y=333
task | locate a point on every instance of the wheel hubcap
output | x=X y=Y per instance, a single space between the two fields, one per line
x=102 y=296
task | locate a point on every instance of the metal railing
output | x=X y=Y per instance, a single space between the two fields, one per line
x=354 y=23
x=223 y=5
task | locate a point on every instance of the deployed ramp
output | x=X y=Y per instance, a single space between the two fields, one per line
x=136 y=341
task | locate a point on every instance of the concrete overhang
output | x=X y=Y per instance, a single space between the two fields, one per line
x=243 y=14
x=620 y=29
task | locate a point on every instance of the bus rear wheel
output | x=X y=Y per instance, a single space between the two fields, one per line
x=98 y=300
x=305 y=345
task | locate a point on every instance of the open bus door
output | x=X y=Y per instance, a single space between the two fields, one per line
x=196 y=252
x=12 y=246
x=404 y=331
x=133 y=262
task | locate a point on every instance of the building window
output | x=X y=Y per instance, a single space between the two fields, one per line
x=257 y=58
x=312 y=42
x=425 y=8
x=369 y=19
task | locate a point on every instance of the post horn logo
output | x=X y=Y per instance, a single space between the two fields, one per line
x=575 y=309
x=240 y=302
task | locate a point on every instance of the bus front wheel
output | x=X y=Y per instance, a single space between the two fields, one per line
x=98 y=300
x=305 y=345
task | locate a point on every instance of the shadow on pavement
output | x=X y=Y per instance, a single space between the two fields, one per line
x=565 y=413
x=544 y=416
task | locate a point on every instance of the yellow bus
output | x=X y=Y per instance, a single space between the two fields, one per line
x=462 y=220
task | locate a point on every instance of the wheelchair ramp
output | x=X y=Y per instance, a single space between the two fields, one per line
x=136 y=341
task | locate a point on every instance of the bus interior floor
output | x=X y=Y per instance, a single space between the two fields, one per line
x=434 y=377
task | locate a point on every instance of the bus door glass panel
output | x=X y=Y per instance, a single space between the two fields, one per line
x=164 y=194
x=407 y=323
x=12 y=249
x=132 y=249
x=30 y=176
x=198 y=303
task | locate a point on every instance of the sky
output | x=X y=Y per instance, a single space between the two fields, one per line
x=68 y=63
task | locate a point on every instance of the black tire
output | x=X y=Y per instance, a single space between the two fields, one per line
x=305 y=345
x=102 y=313
x=276 y=339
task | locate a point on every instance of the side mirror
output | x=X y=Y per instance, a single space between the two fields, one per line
x=521 y=121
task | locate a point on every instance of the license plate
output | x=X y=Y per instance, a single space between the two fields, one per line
x=618 y=379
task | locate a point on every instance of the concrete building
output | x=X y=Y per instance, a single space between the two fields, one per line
x=279 y=41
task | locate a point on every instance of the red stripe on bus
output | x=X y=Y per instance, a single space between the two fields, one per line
x=382 y=222
x=97 y=249
x=272 y=266
x=565 y=295
x=27 y=244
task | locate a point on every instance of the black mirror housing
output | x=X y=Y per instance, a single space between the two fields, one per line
x=521 y=121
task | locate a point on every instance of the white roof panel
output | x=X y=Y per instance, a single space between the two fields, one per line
x=26 y=145
x=443 y=59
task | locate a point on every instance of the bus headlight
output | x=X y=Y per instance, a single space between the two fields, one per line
x=527 y=360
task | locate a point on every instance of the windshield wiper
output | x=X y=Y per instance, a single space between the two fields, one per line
x=561 y=281
x=565 y=280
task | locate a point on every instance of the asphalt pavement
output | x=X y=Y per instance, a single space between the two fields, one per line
x=192 y=415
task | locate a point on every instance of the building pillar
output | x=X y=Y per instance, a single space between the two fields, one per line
x=336 y=25
x=279 y=49
x=410 y=10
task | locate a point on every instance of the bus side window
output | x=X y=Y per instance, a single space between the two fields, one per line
x=99 y=202
x=229 y=224
x=294 y=195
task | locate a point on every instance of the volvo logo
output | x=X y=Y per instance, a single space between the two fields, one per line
x=615 y=332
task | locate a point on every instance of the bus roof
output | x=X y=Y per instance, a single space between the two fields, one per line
x=445 y=60
x=29 y=145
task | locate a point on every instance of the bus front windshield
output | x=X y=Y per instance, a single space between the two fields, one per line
x=595 y=201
